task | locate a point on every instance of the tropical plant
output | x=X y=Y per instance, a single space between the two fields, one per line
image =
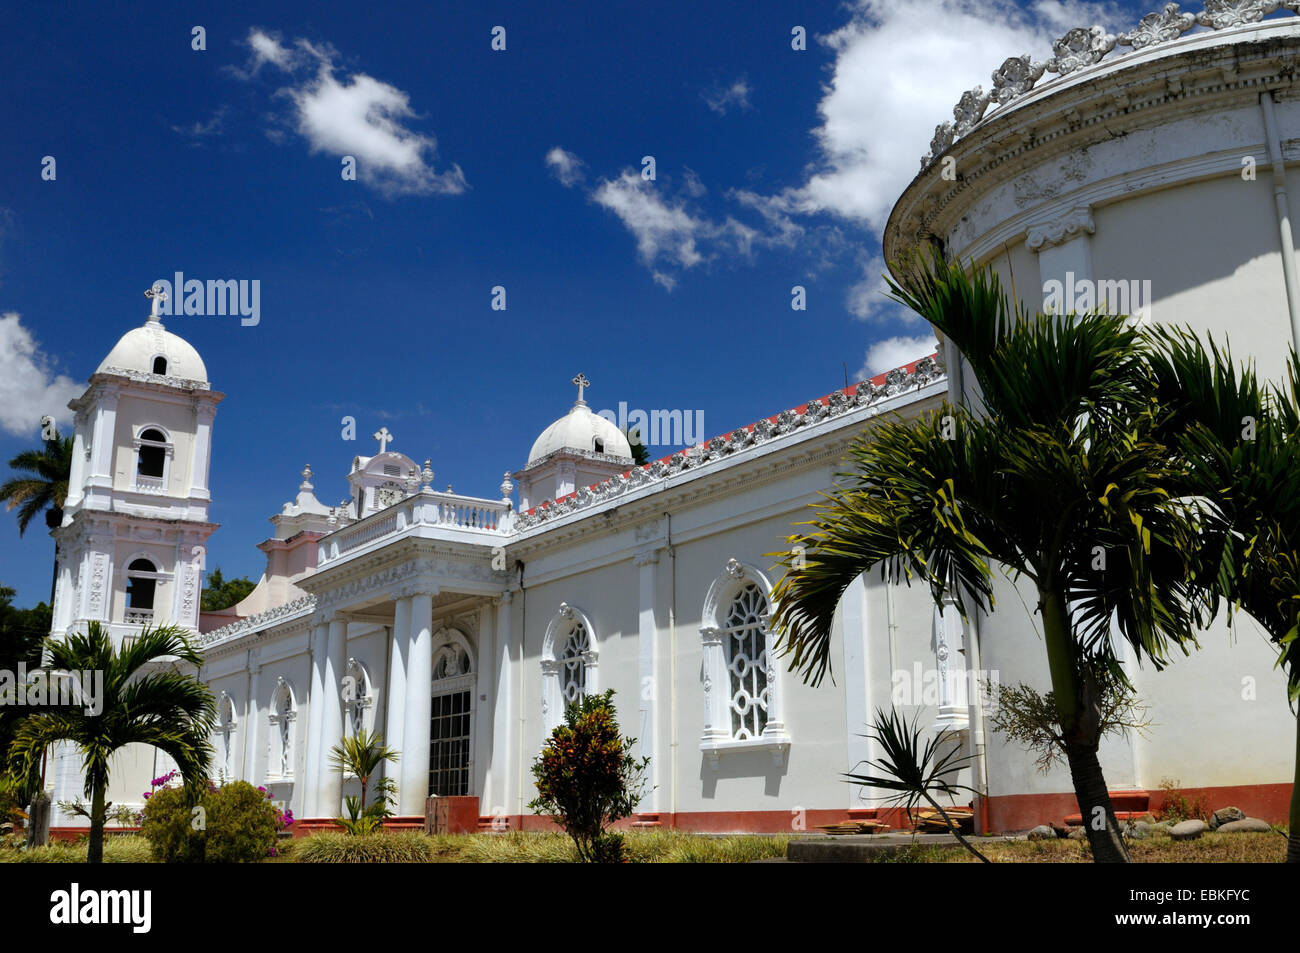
x=915 y=773
x=587 y=778
x=141 y=703
x=41 y=484
x=1238 y=440
x=1058 y=479
x=361 y=756
x=640 y=453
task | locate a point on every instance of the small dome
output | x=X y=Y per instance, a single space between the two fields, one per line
x=581 y=430
x=141 y=349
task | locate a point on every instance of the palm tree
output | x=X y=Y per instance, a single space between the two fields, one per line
x=1238 y=440
x=361 y=755
x=140 y=704
x=42 y=483
x=1059 y=480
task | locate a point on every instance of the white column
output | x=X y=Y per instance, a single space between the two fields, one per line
x=315 y=707
x=395 y=714
x=250 y=724
x=483 y=748
x=650 y=689
x=329 y=780
x=503 y=741
x=857 y=715
x=419 y=686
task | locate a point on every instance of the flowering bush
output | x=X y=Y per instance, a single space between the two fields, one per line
x=230 y=824
x=587 y=779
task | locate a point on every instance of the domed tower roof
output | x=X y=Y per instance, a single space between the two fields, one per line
x=580 y=430
x=152 y=349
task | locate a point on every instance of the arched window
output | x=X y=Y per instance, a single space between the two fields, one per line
x=358 y=699
x=160 y=365
x=597 y=444
x=451 y=752
x=153 y=450
x=141 y=587
x=742 y=698
x=568 y=663
x=226 y=741
x=282 y=715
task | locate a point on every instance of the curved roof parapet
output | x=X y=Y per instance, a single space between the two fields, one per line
x=1081 y=49
x=1170 y=73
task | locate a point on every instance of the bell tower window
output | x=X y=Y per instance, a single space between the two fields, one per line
x=153 y=450
x=160 y=365
x=141 y=586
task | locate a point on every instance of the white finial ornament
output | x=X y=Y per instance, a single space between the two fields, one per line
x=384 y=438
x=306 y=478
x=157 y=296
x=506 y=487
x=583 y=383
x=426 y=475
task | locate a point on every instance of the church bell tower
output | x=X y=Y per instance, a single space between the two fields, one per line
x=132 y=545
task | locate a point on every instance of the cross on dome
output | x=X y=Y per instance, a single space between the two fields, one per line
x=582 y=382
x=157 y=296
x=384 y=438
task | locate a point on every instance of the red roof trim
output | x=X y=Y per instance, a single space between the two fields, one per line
x=878 y=380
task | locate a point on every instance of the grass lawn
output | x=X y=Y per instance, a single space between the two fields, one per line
x=676 y=847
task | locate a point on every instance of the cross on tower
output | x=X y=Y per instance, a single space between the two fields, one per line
x=157 y=296
x=582 y=382
x=384 y=438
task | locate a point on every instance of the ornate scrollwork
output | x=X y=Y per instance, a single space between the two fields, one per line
x=1169 y=24
x=1080 y=47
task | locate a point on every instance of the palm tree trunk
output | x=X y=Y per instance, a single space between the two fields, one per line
x=1293 y=821
x=1099 y=821
x=1079 y=714
x=95 y=850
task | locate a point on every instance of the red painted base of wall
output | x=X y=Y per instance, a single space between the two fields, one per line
x=1019 y=812
x=72 y=833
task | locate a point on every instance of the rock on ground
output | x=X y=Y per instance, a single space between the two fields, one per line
x=1188 y=830
x=1225 y=815
x=1042 y=832
x=1247 y=825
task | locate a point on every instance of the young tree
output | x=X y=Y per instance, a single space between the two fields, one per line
x=1059 y=467
x=361 y=756
x=587 y=778
x=220 y=593
x=141 y=704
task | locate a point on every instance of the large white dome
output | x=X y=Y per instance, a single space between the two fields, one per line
x=580 y=429
x=139 y=349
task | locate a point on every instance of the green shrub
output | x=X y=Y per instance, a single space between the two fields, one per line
x=172 y=827
x=235 y=823
x=405 y=847
x=242 y=825
x=587 y=779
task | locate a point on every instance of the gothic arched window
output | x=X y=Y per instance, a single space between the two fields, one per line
x=742 y=698
x=226 y=741
x=282 y=715
x=744 y=638
x=451 y=754
x=358 y=699
x=568 y=663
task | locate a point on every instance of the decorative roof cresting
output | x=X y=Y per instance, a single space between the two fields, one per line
x=1083 y=47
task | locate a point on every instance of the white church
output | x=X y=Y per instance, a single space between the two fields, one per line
x=458 y=626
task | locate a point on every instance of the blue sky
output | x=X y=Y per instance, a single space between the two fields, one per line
x=477 y=168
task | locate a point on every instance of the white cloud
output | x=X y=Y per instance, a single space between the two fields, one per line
x=660 y=228
x=198 y=131
x=718 y=98
x=895 y=352
x=357 y=115
x=29 y=390
x=565 y=166
x=900 y=66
